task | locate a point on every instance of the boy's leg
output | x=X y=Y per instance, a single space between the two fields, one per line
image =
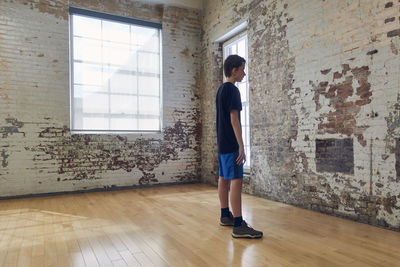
x=236 y=197
x=240 y=228
x=223 y=191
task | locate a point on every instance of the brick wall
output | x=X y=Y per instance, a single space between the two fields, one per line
x=320 y=73
x=38 y=154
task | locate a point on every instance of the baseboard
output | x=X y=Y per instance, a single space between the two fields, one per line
x=103 y=189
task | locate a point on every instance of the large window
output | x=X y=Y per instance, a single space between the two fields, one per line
x=238 y=46
x=115 y=73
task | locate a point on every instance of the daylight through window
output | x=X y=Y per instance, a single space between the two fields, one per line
x=115 y=73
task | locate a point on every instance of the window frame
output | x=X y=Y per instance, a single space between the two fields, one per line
x=225 y=45
x=118 y=19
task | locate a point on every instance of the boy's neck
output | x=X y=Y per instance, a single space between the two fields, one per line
x=231 y=80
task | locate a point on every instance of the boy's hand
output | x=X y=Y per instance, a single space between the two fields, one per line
x=241 y=159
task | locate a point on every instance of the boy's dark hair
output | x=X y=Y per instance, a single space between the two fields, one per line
x=231 y=62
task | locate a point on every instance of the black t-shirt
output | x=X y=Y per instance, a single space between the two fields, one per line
x=228 y=98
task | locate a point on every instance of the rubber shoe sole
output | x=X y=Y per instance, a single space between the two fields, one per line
x=226 y=224
x=246 y=236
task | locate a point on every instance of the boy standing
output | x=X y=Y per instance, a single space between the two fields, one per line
x=231 y=154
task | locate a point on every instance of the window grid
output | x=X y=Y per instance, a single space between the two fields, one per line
x=83 y=88
x=238 y=46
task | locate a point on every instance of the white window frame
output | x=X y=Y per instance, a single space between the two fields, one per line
x=245 y=116
x=123 y=20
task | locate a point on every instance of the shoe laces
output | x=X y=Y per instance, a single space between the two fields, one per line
x=248 y=225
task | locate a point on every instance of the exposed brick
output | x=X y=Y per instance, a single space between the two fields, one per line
x=390 y=19
x=372 y=52
x=394 y=33
x=334 y=155
x=388 y=4
x=397 y=153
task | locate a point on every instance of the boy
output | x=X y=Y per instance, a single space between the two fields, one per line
x=231 y=154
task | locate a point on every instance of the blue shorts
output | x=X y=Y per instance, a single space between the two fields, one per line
x=228 y=169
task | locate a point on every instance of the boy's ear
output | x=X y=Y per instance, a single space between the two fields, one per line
x=234 y=70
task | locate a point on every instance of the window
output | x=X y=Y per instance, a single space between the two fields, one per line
x=238 y=45
x=115 y=73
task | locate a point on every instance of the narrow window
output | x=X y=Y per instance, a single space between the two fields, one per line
x=115 y=73
x=238 y=45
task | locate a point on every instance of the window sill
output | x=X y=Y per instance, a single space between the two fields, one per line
x=115 y=132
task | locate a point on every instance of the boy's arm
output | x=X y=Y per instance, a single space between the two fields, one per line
x=237 y=128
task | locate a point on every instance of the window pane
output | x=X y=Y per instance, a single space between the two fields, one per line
x=243 y=93
x=242 y=48
x=94 y=103
x=87 y=27
x=88 y=74
x=116 y=32
x=153 y=44
x=149 y=124
x=123 y=124
x=123 y=83
x=244 y=134
x=149 y=85
x=90 y=123
x=87 y=50
x=123 y=104
x=247 y=136
x=148 y=62
x=108 y=74
x=149 y=105
x=244 y=115
x=80 y=89
x=245 y=70
x=119 y=54
x=232 y=50
x=77 y=121
x=142 y=36
x=247 y=115
x=247 y=164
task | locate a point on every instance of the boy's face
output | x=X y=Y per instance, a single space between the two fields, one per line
x=239 y=73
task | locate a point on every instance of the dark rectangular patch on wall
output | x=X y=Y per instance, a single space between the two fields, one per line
x=397 y=152
x=334 y=155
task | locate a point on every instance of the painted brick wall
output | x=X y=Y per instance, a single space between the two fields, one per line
x=38 y=154
x=322 y=74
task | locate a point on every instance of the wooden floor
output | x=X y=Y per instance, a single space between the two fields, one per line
x=178 y=226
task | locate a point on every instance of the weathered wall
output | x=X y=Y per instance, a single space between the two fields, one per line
x=38 y=154
x=324 y=103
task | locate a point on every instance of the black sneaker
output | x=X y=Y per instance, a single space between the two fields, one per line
x=245 y=231
x=227 y=221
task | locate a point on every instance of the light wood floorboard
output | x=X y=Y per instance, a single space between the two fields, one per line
x=178 y=226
